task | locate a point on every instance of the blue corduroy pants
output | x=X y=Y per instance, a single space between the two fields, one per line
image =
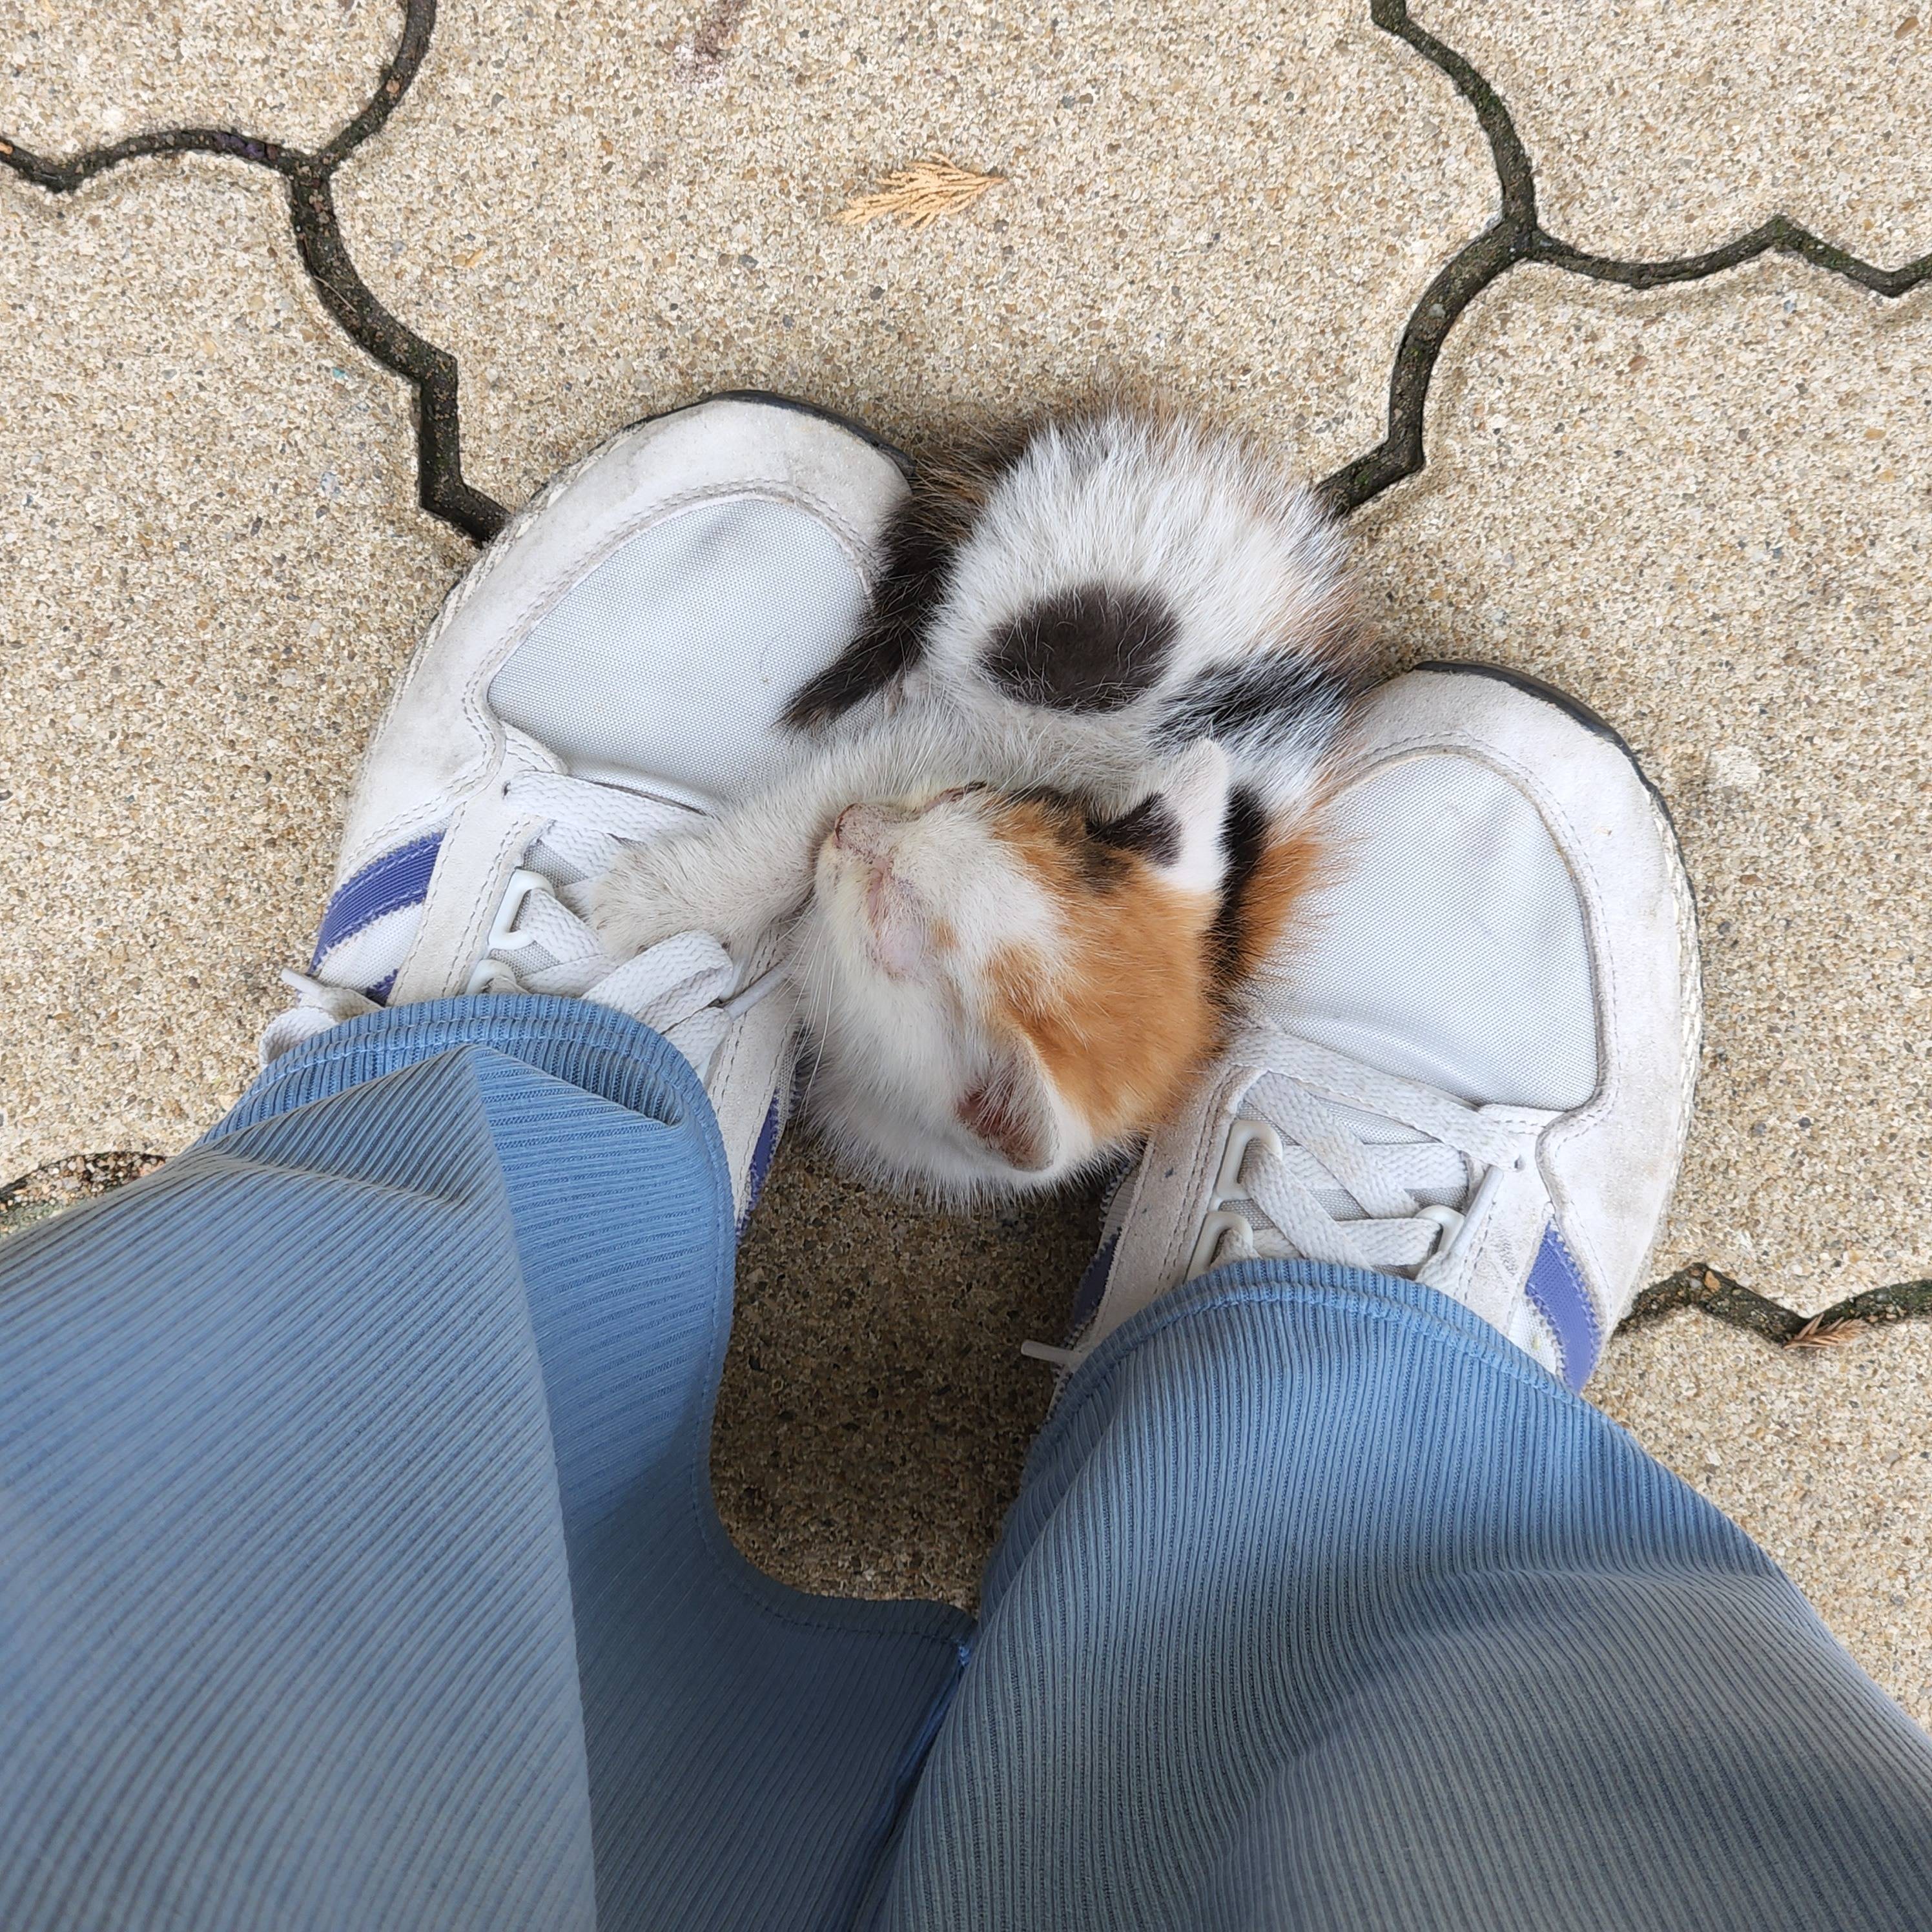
x=359 y=1569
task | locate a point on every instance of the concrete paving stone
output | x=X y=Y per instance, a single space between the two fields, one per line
x=876 y=1408
x=74 y=76
x=213 y=567
x=600 y=224
x=1705 y=510
x=1823 y=1458
x=1657 y=129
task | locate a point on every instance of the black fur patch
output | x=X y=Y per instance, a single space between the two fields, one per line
x=917 y=550
x=1243 y=838
x=1270 y=696
x=1059 y=804
x=916 y=557
x=1103 y=861
x=1093 y=648
x=1151 y=829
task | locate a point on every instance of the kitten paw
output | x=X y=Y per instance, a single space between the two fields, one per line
x=646 y=896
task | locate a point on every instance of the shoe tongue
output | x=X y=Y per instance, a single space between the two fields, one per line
x=570 y=856
x=553 y=928
x=566 y=855
x=1407 y=1056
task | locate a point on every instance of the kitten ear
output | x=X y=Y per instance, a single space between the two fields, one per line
x=1178 y=827
x=1009 y=1111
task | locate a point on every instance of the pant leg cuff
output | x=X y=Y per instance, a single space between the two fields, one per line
x=1427 y=1311
x=606 y=1053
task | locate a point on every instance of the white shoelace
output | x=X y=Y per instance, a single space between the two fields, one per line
x=1332 y=1161
x=685 y=987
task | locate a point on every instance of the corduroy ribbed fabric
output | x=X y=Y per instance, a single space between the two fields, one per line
x=1323 y=1606
x=357 y=1563
x=358 y=1569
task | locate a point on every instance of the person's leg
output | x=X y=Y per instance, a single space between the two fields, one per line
x=1323 y=1606
x=358 y=1563
x=358 y=1566
x=1323 y=1603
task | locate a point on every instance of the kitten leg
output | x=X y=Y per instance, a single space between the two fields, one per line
x=734 y=874
x=731 y=875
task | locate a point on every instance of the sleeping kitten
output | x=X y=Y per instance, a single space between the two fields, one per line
x=1049 y=811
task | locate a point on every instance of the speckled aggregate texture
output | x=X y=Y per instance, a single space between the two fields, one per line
x=78 y=75
x=876 y=1408
x=1705 y=508
x=611 y=226
x=1660 y=129
x=1824 y=1458
x=211 y=567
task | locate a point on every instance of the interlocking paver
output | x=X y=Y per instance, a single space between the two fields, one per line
x=1241 y=211
x=211 y=567
x=73 y=76
x=1658 y=129
x=1823 y=1458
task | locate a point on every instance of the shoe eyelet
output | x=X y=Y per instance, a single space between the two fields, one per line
x=492 y=976
x=503 y=929
x=1243 y=1132
x=489 y=973
x=1449 y=1220
x=1217 y=1224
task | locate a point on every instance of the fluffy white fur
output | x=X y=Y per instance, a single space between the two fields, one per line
x=1253 y=575
x=1239 y=550
x=897 y=1020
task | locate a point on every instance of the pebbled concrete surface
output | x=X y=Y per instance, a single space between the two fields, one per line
x=1823 y=1458
x=1660 y=130
x=1242 y=216
x=876 y=1409
x=1704 y=507
x=287 y=70
x=210 y=565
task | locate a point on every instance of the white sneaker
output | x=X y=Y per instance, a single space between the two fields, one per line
x=1473 y=1064
x=617 y=659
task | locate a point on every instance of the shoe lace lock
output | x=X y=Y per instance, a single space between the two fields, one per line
x=489 y=974
x=1244 y=1131
x=1448 y=1220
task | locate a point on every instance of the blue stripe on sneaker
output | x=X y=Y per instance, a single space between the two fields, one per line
x=761 y=1161
x=1556 y=1289
x=386 y=885
x=1092 y=1285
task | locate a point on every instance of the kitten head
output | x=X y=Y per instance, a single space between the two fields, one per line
x=1003 y=987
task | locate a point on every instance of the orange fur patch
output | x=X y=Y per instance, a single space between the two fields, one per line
x=1125 y=1018
x=1290 y=864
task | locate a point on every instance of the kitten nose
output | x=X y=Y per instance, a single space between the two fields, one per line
x=865 y=830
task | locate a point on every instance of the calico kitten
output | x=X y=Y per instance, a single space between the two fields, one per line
x=1049 y=811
